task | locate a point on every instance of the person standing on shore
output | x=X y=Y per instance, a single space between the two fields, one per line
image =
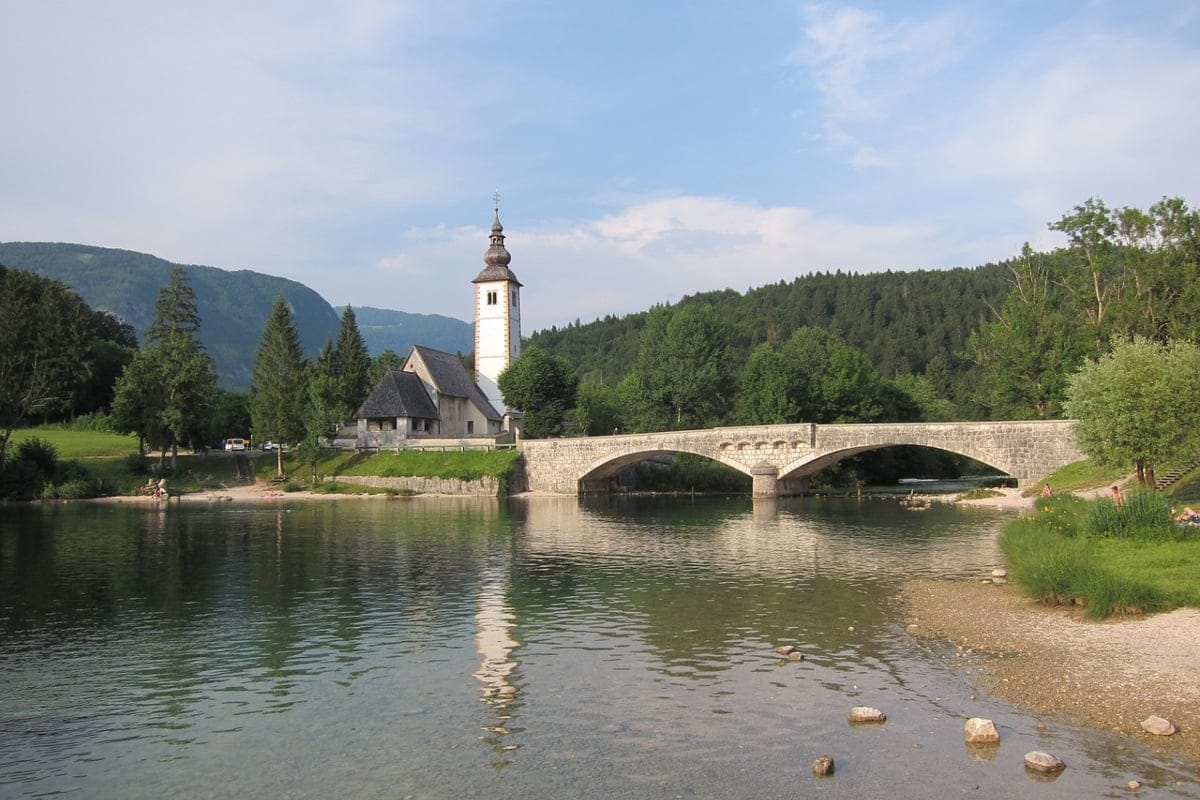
x=1117 y=499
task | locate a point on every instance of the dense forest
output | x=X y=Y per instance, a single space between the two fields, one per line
x=916 y=322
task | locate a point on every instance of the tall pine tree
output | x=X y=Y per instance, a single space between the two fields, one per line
x=278 y=396
x=352 y=365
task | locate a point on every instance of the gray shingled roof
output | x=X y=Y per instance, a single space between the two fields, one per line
x=399 y=394
x=451 y=378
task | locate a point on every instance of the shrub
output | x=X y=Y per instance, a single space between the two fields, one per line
x=25 y=474
x=1144 y=515
x=136 y=464
x=71 y=489
x=1061 y=514
x=1109 y=593
x=39 y=454
x=95 y=421
x=1050 y=567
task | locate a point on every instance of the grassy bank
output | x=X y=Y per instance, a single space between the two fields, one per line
x=113 y=467
x=1110 y=560
x=461 y=465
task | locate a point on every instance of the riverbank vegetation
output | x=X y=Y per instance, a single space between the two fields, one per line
x=56 y=463
x=999 y=341
x=1108 y=558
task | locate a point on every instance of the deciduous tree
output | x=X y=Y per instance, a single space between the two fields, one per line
x=1138 y=405
x=165 y=394
x=685 y=372
x=543 y=387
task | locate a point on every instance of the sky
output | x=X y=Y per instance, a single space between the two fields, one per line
x=641 y=151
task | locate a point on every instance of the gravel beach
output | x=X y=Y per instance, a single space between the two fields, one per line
x=1111 y=674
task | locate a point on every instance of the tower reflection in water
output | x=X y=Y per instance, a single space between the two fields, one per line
x=494 y=621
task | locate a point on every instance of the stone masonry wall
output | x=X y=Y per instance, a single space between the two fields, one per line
x=1025 y=450
x=488 y=487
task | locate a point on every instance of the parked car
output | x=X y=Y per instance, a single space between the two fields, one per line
x=269 y=445
x=234 y=444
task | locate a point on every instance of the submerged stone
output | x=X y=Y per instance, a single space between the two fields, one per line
x=867 y=714
x=981 y=731
x=1039 y=761
x=823 y=765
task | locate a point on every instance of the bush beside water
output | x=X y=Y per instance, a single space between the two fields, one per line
x=1106 y=558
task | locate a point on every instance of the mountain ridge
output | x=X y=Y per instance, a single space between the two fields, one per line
x=233 y=304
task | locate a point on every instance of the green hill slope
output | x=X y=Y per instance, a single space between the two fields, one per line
x=383 y=329
x=233 y=305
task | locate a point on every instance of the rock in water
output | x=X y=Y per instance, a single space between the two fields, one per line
x=867 y=714
x=1043 y=762
x=823 y=765
x=1158 y=726
x=785 y=649
x=981 y=731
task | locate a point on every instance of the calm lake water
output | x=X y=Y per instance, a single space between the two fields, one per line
x=542 y=647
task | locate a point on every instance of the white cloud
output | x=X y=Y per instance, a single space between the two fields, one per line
x=655 y=251
x=865 y=66
x=1099 y=116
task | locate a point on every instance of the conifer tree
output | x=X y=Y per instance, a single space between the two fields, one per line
x=165 y=393
x=352 y=365
x=279 y=393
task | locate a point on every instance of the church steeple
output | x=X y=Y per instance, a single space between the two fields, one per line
x=497 y=314
x=497 y=257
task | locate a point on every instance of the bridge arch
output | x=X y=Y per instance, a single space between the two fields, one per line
x=598 y=475
x=776 y=454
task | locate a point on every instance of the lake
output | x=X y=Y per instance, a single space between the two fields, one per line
x=523 y=647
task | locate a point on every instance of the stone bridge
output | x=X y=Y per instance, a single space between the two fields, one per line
x=780 y=458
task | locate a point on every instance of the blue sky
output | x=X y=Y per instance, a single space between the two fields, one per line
x=642 y=151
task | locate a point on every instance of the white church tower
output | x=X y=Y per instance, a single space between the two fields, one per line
x=497 y=316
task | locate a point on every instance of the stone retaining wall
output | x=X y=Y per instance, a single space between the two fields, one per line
x=484 y=487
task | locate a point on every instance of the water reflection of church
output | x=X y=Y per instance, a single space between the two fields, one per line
x=494 y=623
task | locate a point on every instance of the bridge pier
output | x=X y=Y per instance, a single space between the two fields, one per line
x=765 y=480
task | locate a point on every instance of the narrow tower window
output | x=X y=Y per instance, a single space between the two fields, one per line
x=491 y=298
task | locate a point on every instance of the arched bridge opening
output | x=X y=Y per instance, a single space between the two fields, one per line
x=607 y=475
x=778 y=456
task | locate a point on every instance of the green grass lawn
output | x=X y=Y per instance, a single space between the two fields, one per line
x=1079 y=476
x=469 y=465
x=1054 y=555
x=80 y=444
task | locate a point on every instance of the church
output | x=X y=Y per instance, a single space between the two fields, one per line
x=433 y=398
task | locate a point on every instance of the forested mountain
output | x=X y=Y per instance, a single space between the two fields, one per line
x=398 y=331
x=233 y=305
x=916 y=322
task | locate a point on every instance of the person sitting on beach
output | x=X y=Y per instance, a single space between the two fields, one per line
x=160 y=490
x=1047 y=491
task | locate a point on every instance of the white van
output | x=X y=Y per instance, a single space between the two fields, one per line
x=234 y=444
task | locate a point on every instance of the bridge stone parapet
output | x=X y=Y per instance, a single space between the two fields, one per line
x=780 y=457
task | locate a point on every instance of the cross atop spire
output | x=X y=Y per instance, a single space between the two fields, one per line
x=496 y=201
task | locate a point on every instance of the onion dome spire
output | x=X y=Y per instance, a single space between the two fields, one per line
x=497 y=257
